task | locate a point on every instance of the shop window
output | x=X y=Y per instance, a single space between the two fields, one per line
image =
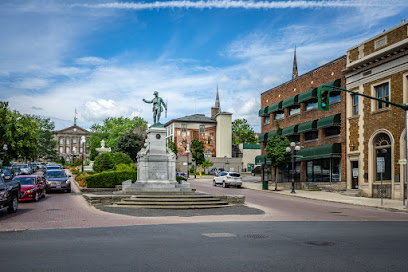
x=312 y=104
x=285 y=175
x=294 y=110
x=382 y=91
x=335 y=96
x=383 y=149
x=311 y=135
x=332 y=131
x=324 y=170
x=279 y=115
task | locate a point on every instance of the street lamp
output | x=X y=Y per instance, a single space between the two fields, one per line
x=293 y=148
x=188 y=161
x=83 y=151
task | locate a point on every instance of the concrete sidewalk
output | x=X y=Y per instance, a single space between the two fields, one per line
x=388 y=204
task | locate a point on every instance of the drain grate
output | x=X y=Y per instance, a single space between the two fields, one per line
x=319 y=243
x=255 y=236
x=53 y=210
x=335 y=212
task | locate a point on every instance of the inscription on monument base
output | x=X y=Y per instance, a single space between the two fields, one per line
x=158 y=171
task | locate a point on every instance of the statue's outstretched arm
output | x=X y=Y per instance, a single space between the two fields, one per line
x=144 y=100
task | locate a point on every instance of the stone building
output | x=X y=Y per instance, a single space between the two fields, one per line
x=320 y=134
x=215 y=132
x=377 y=67
x=69 y=143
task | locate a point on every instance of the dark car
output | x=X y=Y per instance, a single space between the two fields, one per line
x=9 y=194
x=52 y=167
x=57 y=180
x=256 y=170
x=8 y=173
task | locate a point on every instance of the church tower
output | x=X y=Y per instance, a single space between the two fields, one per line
x=295 y=69
x=217 y=108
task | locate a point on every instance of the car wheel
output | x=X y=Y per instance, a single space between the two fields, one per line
x=214 y=183
x=238 y=186
x=36 y=197
x=12 y=208
x=224 y=184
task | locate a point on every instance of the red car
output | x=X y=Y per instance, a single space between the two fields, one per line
x=32 y=187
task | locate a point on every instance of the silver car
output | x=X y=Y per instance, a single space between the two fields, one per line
x=25 y=169
x=227 y=179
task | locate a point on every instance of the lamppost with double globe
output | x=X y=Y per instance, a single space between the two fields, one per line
x=83 y=151
x=293 y=148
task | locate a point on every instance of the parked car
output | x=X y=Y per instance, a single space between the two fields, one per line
x=216 y=170
x=25 y=169
x=17 y=170
x=256 y=170
x=56 y=179
x=32 y=187
x=9 y=194
x=52 y=167
x=8 y=173
x=33 y=166
x=227 y=179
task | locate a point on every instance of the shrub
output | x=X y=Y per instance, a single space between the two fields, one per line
x=180 y=178
x=103 y=162
x=75 y=172
x=110 y=179
x=120 y=158
x=123 y=167
x=78 y=162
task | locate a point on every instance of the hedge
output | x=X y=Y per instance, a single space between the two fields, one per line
x=180 y=178
x=110 y=179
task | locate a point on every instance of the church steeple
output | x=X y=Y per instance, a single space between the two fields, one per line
x=295 y=69
x=217 y=108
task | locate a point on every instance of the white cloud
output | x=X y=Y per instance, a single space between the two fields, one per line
x=91 y=61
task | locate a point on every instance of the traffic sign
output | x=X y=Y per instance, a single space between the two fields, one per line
x=380 y=165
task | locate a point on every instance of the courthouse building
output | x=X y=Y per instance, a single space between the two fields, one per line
x=69 y=144
x=377 y=67
x=320 y=163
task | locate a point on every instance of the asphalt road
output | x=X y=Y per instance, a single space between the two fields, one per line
x=233 y=246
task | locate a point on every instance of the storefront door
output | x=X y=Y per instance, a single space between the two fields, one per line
x=354 y=175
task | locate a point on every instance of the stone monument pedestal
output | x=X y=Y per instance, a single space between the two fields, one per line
x=156 y=170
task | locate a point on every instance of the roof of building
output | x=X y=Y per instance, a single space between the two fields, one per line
x=306 y=74
x=195 y=118
x=71 y=129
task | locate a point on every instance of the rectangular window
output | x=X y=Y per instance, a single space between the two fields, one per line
x=354 y=98
x=74 y=141
x=67 y=141
x=202 y=129
x=61 y=149
x=332 y=131
x=311 y=105
x=334 y=96
x=382 y=92
x=311 y=135
x=324 y=170
x=293 y=111
x=81 y=150
x=267 y=120
x=279 y=115
x=67 y=150
x=61 y=141
x=183 y=128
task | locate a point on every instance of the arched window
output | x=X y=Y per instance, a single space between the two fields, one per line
x=383 y=149
x=207 y=154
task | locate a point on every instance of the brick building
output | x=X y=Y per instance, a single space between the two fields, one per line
x=377 y=67
x=69 y=143
x=321 y=134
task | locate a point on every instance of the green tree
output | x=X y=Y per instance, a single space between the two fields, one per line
x=276 y=151
x=173 y=147
x=242 y=132
x=131 y=142
x=197 y=152
x=104 y=162
x=46 y=144
x=111 y=129
x=207 y=163
x=6 y=134
x=119 y=157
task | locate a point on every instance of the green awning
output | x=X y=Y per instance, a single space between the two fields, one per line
x=275 y=107
x=263 y=112
x=291 y=101
x=335 y=83
x=270 y=134
x=262 y=160
x=251 y=146
x=261 y=137
x=308 y=95
x=330 y=121
x=292 y=130
x=319 y=152
x=307 y=126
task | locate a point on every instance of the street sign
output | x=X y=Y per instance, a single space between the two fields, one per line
x=380 y=165
x=402 y=161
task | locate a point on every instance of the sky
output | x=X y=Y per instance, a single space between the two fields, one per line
x=102 y=57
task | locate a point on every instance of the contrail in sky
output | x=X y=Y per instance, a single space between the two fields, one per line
x=229 y=4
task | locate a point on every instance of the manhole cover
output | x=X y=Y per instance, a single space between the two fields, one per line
x=255 y=236
x=319 y=243
x=53 y=210
x=335 y=212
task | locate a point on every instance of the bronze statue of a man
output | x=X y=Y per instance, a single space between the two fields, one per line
x=157 y=108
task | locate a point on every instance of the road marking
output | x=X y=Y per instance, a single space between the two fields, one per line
x=219 y=235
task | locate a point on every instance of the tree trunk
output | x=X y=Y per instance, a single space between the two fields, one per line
x=276 y=178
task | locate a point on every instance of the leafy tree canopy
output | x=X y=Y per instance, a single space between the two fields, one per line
x=242 y=132
x=46 y=143
x=276 y=149
x=197 y=151
x=173 y=147
x=130 y=142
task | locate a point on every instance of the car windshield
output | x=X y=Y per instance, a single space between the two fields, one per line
x=6 y=170
x=26 y=181
x=23 y=165
x=234 y=175
x=56 y=174
x=53 y=167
